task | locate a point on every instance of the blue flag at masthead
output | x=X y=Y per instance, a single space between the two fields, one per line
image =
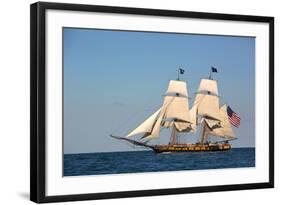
x=214 y=70
x=181 y=71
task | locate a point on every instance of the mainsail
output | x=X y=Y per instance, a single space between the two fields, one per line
x=174 y=113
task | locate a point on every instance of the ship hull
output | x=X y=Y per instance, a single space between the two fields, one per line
x=191 y=148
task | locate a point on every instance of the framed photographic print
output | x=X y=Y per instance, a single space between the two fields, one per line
x=129 y=102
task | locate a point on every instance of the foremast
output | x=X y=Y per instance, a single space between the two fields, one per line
x=177 y=117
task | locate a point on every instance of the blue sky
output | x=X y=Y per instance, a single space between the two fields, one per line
x=115 y=79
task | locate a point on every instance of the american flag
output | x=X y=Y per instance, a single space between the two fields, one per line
x=234 y=119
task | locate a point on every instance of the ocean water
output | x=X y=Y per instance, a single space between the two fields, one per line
x=148 y=161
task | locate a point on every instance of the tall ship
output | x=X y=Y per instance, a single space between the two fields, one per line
x=204 y=119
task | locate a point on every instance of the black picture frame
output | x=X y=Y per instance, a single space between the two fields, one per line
x=38 y=101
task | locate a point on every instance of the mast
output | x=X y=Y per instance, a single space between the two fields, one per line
x=207 y=105
x=214 y=119
x=177 y=114
x=207 y=99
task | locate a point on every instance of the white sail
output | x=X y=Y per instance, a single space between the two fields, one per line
x=177 y=108
x=180 y=125
x=183 y=126
x=177 y=111
x=146 y=126
x=213 y=123
x=225 y=129
x=208 y=85
x=193 y=117
x=207 y=105
x=176 y=86
x=156 y=128
x=207 y=100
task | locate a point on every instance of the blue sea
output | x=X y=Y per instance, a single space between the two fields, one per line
x=148 y=161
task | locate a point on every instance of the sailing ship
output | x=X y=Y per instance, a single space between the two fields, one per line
x=206 y=116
